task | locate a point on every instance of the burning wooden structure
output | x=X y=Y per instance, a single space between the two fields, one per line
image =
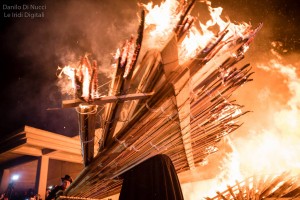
x=163 y=100
x=86 y=116
x=283 y=186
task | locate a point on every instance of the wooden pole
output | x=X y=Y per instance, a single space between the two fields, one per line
x=42 y=176
x=87 y=116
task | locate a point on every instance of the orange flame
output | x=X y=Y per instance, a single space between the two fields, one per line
x=81 y=79
x=272 y=150
x=66 y=81
x=197 y=39
x=86 y=82
x=160 y=22
x=277 y=147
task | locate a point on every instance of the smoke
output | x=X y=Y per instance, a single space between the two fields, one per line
x=34 y=48
x=93 y=27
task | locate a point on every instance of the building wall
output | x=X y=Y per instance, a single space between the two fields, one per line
x=27 y=176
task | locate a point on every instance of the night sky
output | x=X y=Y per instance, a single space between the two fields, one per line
x=33 y=48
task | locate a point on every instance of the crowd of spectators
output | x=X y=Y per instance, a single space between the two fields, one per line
x=30 y=194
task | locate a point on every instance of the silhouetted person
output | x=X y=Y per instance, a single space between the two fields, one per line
x=153 y=179
x=57 y=190
x=10 y=190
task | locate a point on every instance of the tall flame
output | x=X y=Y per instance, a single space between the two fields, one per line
x=197 y=40
x=160 y=22
x=81 y=79
x=272 y=150
x=277 y=145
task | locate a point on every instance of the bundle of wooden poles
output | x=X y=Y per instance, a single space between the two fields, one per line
x=185 y=112
x=271 y=186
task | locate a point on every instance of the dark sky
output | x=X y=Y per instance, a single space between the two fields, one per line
x=32 y=49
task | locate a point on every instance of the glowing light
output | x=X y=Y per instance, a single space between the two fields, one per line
x=15 y=177
x=85 y=83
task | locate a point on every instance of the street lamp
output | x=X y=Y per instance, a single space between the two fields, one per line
x=15 y=177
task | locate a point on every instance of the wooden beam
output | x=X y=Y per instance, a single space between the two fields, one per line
x=182 y=94
x=107 y=99
x=42 y=176
x=58 y=145
x=44 y=139
x=181 y=89
x=57 y=155
x=169 y=56
x=87 y=121
x=35 y=142
x=39 y=133
x=28 y=150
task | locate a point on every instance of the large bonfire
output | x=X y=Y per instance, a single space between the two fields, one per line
x=170 y=94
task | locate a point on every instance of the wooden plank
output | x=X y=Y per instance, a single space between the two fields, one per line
x=66 y=157
x=181 y=91
x=52 y=145
x=38 y=133
x=28 y=150
x=45 y=139
x=169 y=56
x=87 y=117
x=149 y=75
x=107 y=99
x=183 y=105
